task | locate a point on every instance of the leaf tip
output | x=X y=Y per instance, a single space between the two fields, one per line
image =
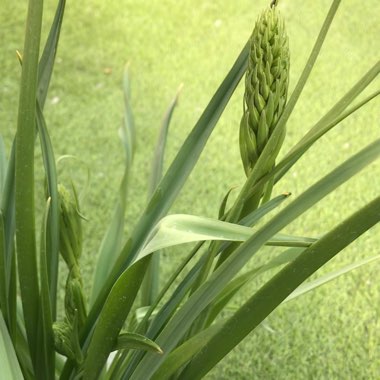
x=19 y=56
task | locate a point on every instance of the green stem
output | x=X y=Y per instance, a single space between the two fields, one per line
x=24 y=175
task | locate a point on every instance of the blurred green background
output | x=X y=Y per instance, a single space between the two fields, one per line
x=331 y=333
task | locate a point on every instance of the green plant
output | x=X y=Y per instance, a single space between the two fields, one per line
x=185 y=336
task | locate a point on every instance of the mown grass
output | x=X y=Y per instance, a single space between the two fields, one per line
x=331 y=333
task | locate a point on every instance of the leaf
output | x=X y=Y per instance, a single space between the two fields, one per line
x=158 y=157
x=209 y=290
x=150 y=285
x=112 y=239
x=10 y=368
x=3 y=166
x=222 y=208
x=127 y=131
x=7 y=207
x=52 y=228
x=45 y=70
x=251 y=219
x=3 y=285
x=7 y=211
x=328 y=121
x=276 y=290
x=24 y=176
x=48 y=55
x=179 y=229
x=237 y=283
x=128 y=340
x=307 y=287
x=46 y=352
x=112 y=318
x=182 y=354
x=165 y=311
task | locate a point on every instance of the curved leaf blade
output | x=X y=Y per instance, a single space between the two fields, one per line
x=112 y=318
x=180 y=229
x=150 y=285
x=181 y=355
x=52 y=228
x=48 y=55
x=24 y=176
x=3 y=166
x=237 y=283
x=10 y=369
x=309 y=286
x=128 y=340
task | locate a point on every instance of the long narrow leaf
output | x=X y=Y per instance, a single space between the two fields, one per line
x=311 y=285
x=112 y=239
x=45 y=70
x=3 y=277
x=48 y=55
x=159 y=152
x=166 y=310
x=8 y=210
x=183 y=319
x=112 y=318
x=52 y=232
x=10 y=369
x=181 y=355
x=328 y=121
x=46 y=352
x=8 y=214
x=24 y=175
x=179 y=229
x=275 y=291
x=3 y=166
x=127 y=341
x=237 y=283
x=150 y=285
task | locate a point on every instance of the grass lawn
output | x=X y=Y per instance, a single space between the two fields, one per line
x=331 y=333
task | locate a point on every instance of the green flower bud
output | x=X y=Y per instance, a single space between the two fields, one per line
x=266 y=85
x=66 y=340
x=70 y=235
x=75 y=305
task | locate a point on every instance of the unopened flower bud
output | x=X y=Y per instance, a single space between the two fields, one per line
x=75 y=305
x=70 y=227
x=266 y=86
x=66 y=340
